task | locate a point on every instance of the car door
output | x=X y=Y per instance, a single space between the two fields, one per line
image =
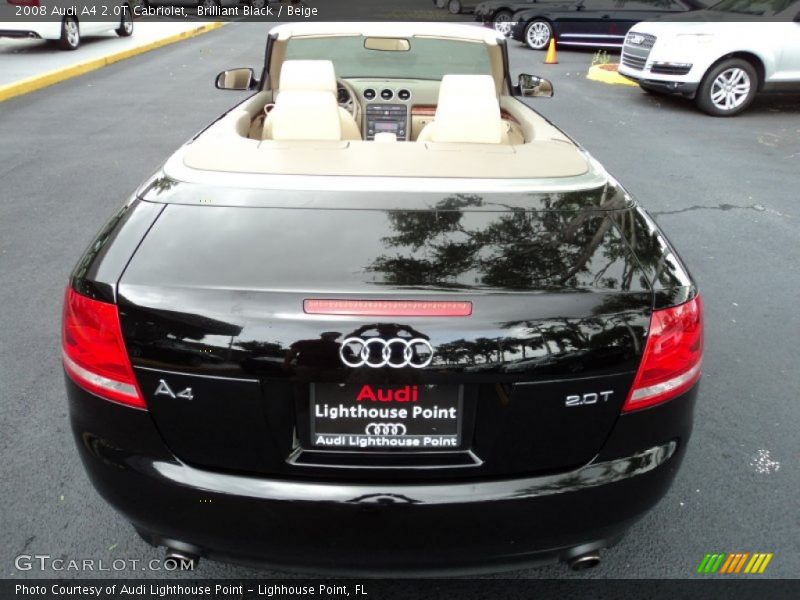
x=587 y=23
x=788 y=59
x=605 y=22
x=630 y=12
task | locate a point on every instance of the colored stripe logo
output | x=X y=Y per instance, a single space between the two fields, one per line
x=734 y=563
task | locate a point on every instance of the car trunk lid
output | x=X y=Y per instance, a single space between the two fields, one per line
x=239 y=376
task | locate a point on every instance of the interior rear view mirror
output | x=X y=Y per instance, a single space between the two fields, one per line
x=533 y=86
x=236 y=79
x=387 y=44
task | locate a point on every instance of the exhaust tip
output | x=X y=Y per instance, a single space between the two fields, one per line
x=180 y=560
x=584 y=561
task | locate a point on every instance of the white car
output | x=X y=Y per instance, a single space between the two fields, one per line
x=69 y=31
x=721 y=57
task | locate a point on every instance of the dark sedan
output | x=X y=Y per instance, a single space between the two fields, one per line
x=590 y=23
x=500 y=13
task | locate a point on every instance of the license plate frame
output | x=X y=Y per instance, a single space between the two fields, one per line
x=350 y=430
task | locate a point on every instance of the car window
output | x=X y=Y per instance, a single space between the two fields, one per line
x=427 y=58
x=750 y=7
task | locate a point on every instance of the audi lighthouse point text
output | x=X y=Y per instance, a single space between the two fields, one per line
x=382 y=317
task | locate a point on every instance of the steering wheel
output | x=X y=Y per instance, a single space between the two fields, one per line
x=346 y=97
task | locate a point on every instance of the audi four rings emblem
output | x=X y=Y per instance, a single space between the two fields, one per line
x=376 y=352
x=385 y=429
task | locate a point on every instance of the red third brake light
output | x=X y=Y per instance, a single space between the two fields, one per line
x=672 y=356
x=388 y=308
x=93 y=351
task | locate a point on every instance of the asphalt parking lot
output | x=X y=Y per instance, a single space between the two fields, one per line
x=724 y=190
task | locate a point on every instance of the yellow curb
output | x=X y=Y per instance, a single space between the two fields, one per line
x=596 y=73
x=37 y=82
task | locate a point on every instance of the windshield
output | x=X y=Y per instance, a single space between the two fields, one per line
x=753 y=7
x=427 y=58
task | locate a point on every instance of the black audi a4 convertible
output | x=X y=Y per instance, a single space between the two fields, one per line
x=382 y=317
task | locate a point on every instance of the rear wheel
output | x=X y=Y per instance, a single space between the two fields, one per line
x=125 y=23
x=440 y=3
x=538 y=34
x=503 y=23
x=70 y=34
x=728 y=88
x=454 y=7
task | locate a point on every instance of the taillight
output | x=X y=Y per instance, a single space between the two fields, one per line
x=24 y=2
x=672 y=356
x=93 y=350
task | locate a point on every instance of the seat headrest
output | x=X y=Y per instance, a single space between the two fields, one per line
x=468 y=111
x=305 y=115
x=311 y=75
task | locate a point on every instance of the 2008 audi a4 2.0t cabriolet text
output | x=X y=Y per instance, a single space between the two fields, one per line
x=382 y=317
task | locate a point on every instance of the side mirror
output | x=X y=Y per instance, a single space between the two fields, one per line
x=533 y=86
x=236 y=79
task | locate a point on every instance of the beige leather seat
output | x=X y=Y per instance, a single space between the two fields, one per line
x=468 y=111
x=306 y=106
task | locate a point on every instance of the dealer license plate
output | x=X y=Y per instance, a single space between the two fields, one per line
x=385 y=417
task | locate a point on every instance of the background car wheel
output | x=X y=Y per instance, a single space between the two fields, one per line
x=70 y=34
x=259 y=4
x=440 y=3
x=728 y=88
x=538 y=34
x=208 y=4
x=125 y=23
x=503 y=23
x=454 y=7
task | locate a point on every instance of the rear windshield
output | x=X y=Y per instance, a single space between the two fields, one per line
x=427 y=58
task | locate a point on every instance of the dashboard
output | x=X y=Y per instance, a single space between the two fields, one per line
x=388 y=105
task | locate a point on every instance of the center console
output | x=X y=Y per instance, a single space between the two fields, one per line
x=387 y=118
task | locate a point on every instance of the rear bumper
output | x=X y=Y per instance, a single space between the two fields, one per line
x=19 y=33
x=380 y=528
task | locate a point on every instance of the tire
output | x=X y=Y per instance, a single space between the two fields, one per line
x=70 y=34
x=538 y=34
x=125 y=23
x=259 y=4
x=440 y=3
x=208 y=3
x=728 y=88
x=503 y=23
x=454 y=7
